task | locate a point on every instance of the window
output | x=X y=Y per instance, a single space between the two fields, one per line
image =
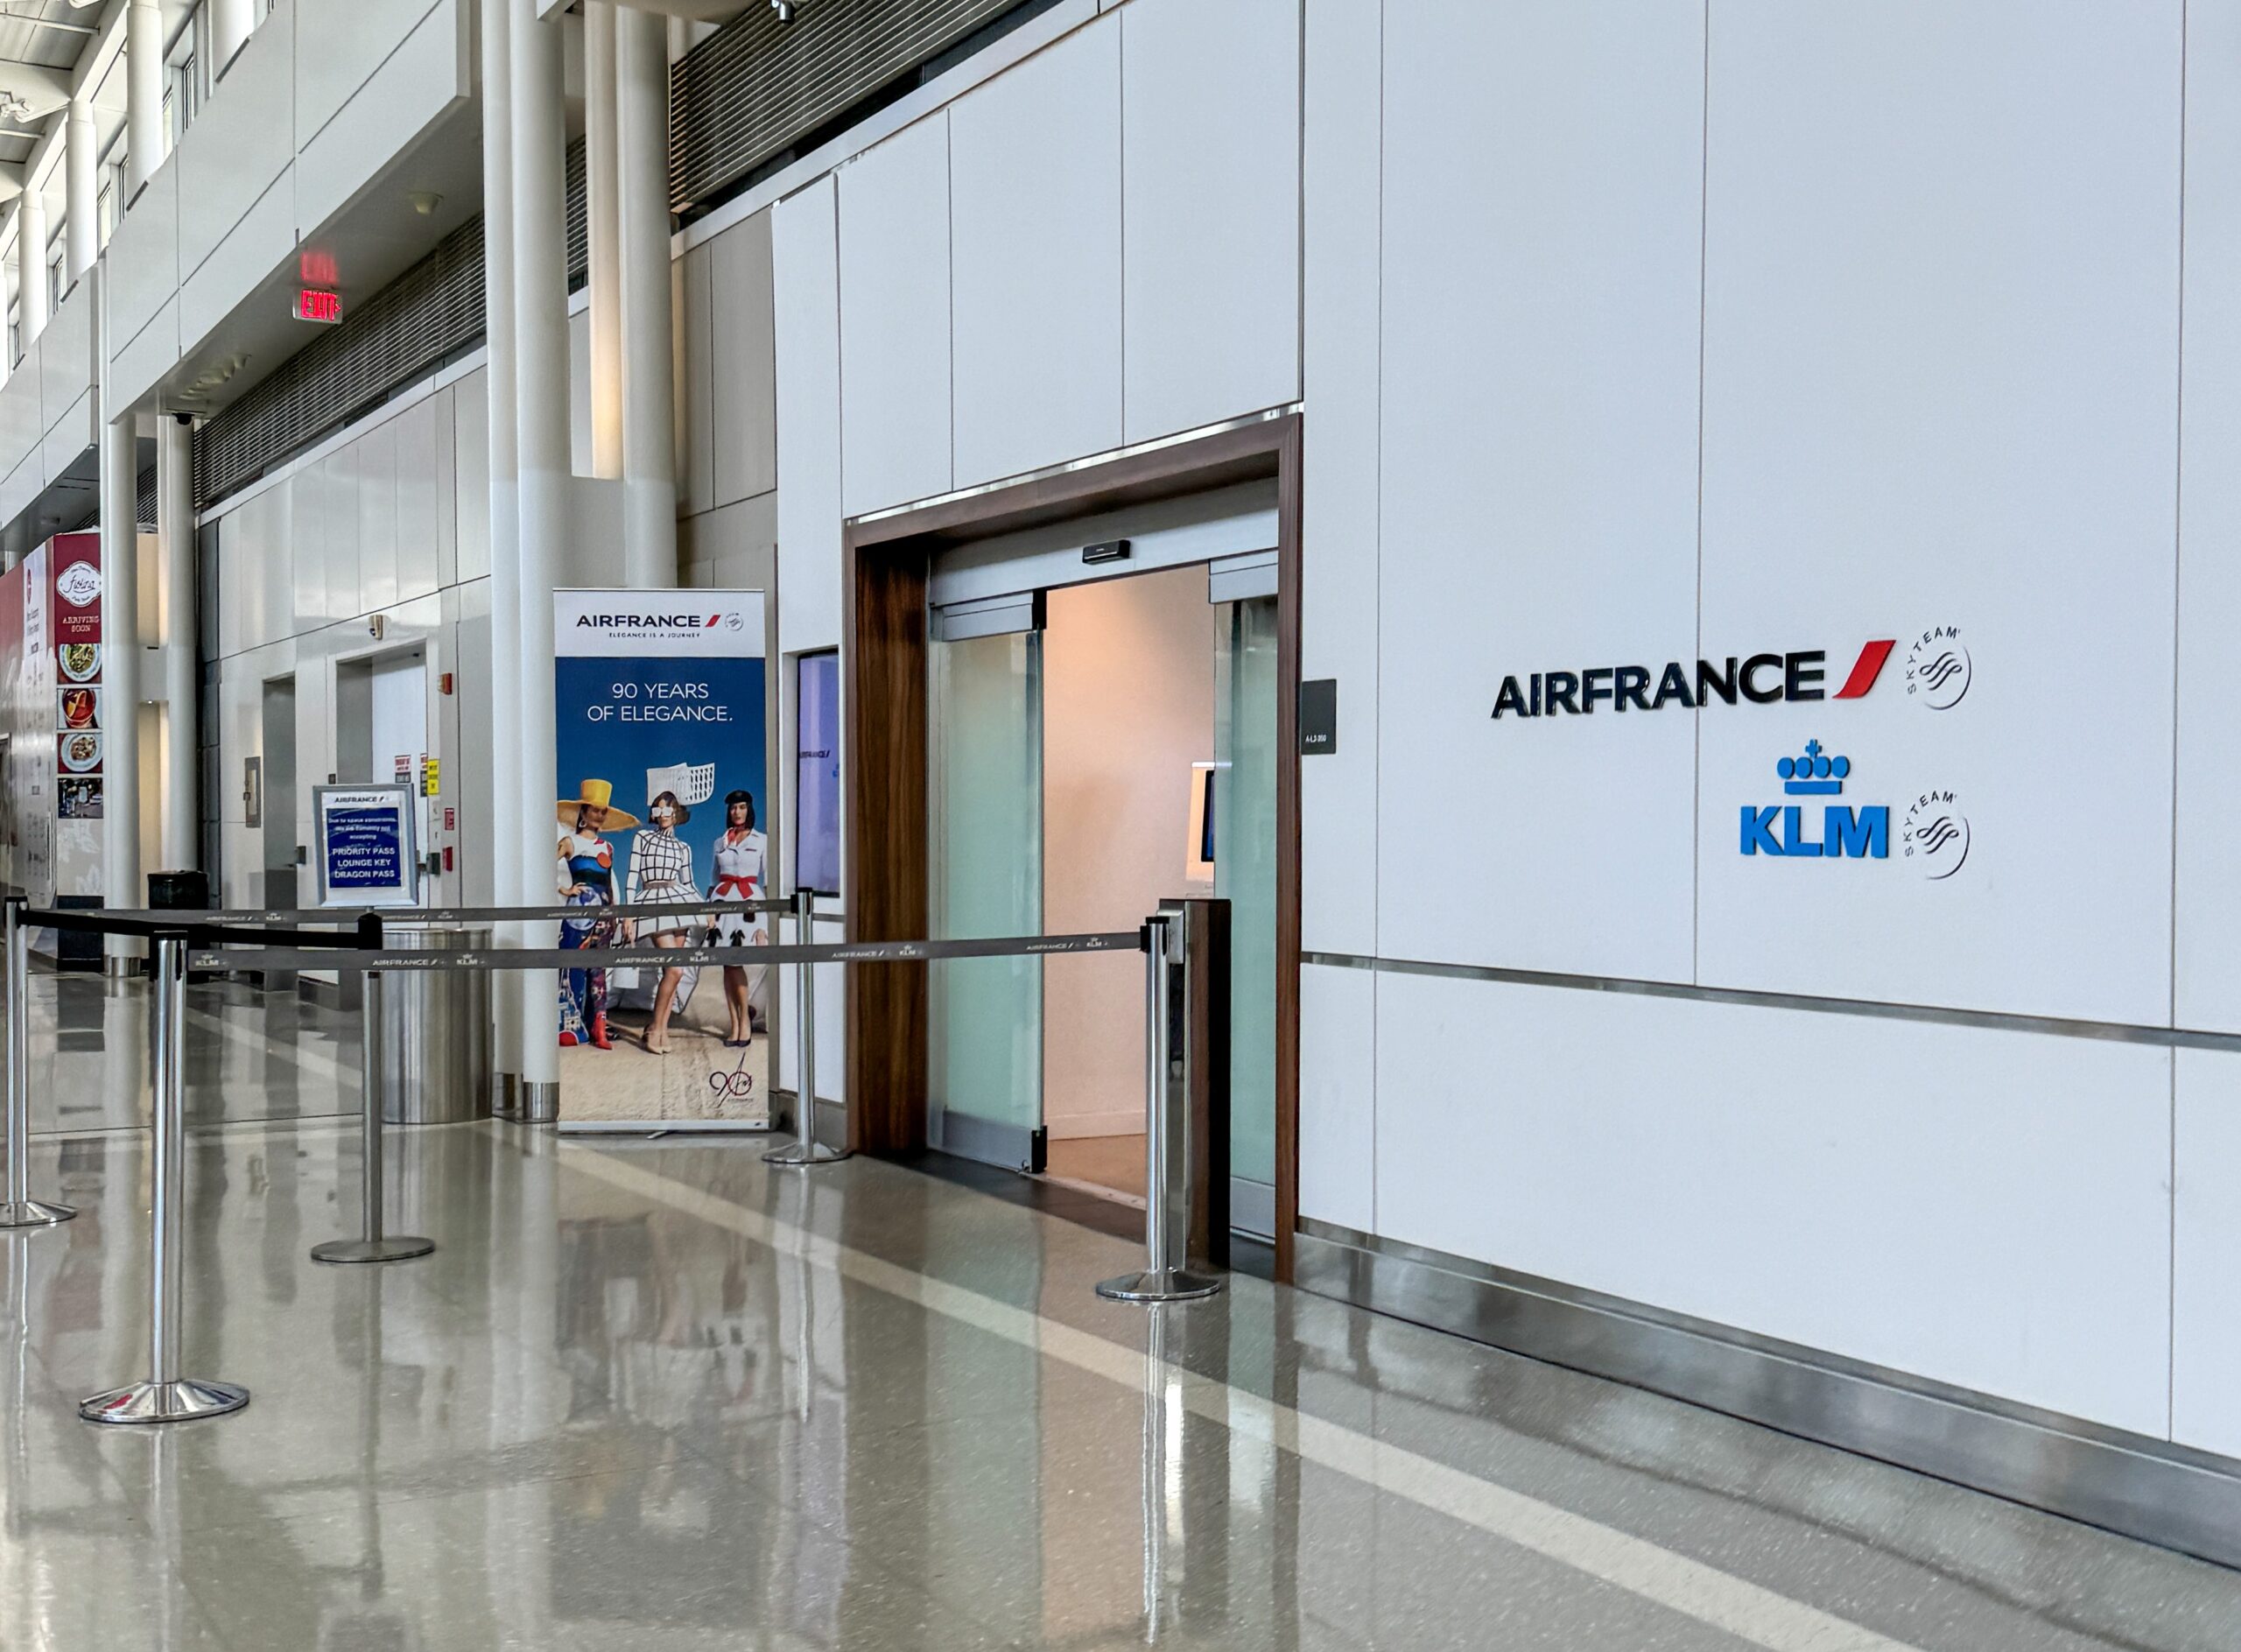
x=55 y=275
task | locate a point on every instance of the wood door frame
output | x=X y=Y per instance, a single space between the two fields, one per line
x=885 y=565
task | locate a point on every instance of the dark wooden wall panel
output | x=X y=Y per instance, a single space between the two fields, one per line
x=887 y=843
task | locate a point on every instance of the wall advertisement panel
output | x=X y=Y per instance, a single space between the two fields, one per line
x=661 y=798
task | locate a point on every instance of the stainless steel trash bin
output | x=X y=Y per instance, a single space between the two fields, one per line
x=436 y=1032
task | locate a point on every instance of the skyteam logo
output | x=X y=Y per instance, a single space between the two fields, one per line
x=1936 y=834
x=1845 y=831
x=1939 y=669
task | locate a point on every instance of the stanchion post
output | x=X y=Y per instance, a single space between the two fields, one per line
x=1167 y=1119
x=807 y=1149
x=373 y=1244
x=21 y=1210
x=166 y=1396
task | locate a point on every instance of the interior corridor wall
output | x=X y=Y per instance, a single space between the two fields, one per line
x=389 y=523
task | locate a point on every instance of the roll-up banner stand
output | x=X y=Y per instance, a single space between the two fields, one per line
x=661 y=796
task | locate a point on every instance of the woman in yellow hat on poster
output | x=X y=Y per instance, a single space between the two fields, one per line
x=586 y=878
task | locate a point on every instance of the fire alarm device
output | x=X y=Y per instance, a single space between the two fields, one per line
x=444 y=683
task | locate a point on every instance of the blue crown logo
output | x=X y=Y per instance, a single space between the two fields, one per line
x=1815 y=774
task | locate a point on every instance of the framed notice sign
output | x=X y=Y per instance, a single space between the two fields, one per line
x=369 y=854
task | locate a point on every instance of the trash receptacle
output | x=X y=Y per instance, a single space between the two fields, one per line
x=436 y=1032
x=188 y=891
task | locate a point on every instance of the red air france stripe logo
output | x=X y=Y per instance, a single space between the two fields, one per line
x=1866 y=669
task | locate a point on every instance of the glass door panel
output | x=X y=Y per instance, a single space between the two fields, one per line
x=985 y=1034
x=1245 y=874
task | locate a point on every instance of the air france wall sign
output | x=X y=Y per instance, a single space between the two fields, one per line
x=1938 y=673
x=1756 y=680
x=1933 y=834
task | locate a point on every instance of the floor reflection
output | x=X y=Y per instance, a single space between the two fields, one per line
x=657 y=1395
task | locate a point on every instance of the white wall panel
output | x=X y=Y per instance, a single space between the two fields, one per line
x=1035 y=259
x=1941 y=389
x=2206 y=1251
x=1210 y=205
x=264 y=242
x=806 y=278
x=152 y=352
x=423 y=475
x=743 y=422
x=471 y=463
x=1339 y=512
x=307 y=522
x=373 y=457
x=1984 y=1208
x=895 y=320
x=580 y=393
x=423 y=78
x=240 y=142
x=141 y=262
x=352 y=38
x=340 y=528
x=68 y=438
x=696 y=388
x=20 y=416
x=1338 y=1096
x=65 y=355
x=2207 y=877
x=1543 y=173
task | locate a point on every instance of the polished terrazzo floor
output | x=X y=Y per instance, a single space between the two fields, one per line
x=654 y=1395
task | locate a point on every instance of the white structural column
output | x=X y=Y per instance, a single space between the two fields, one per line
x=31 y=265
x=175 y=549
x=509 y=825
x=541 y=419
x=120 y=523
x=649 y=360
x=230 y=22
x=82 y=196
x=144 y=93
x=603 y=238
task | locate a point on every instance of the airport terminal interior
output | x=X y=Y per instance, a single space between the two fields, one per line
x=1071 y=824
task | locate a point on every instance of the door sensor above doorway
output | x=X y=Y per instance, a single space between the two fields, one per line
x=1105 y=551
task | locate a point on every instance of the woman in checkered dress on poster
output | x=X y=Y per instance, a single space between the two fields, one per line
x=661 y=872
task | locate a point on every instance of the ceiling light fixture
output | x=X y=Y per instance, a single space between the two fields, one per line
x=784 y=9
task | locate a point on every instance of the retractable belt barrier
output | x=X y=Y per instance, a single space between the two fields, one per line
x=118 y=918
x=278 y=939
x=737 y=957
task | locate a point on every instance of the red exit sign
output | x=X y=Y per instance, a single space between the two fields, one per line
x=314 y=306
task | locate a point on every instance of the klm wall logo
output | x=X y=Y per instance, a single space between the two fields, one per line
x=1846 y=832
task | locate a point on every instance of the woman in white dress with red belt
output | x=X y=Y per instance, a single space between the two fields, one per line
x=741 y=859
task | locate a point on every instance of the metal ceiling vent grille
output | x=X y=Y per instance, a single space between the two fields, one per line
x=403 y=333
x=758 y=88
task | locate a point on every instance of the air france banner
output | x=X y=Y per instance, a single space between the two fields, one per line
x=367 y=852
x=661 y=799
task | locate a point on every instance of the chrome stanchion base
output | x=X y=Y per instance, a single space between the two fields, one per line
x=33 y=1213
x=1161 y=1284
x=540 y=1101
x=800 y=1155
x=176 y=1402
x=390 y=1248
